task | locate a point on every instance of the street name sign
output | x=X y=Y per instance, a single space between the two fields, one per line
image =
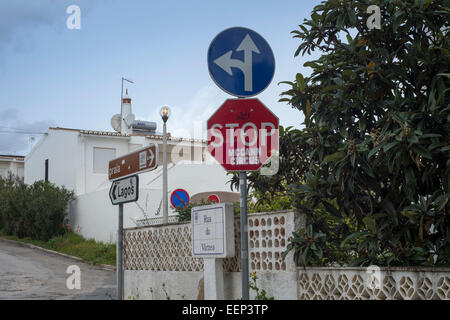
x=241 y=62
x=213 y=231
x=139 y=161
x=242 y=134
x=124 y=190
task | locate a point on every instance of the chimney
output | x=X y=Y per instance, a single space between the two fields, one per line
x=126 y=115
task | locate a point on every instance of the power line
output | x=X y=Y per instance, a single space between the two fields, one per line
x=21 y=132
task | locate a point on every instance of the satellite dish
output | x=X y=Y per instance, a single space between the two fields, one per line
x=116 y=122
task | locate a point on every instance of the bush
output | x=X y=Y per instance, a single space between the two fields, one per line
x=377 y=131
x=38 y=211
x=184 y=214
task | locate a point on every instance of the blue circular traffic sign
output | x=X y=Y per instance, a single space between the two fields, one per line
x=241 y=62
x=179 y=198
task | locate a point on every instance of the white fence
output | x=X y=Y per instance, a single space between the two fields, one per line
x=158 y=264
x=158 y=260
x=377 y=283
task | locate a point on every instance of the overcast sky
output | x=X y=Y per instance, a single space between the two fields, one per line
x=53 y=76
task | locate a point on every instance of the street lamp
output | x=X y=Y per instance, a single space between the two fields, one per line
x=165 y=114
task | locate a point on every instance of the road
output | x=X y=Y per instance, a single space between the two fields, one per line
x=27 y=273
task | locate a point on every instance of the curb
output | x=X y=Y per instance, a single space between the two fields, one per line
x=106 y=267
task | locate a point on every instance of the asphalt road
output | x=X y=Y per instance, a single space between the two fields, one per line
x=27 y=273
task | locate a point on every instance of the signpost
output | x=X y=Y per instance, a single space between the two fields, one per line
x=138 y=161
x=125 y=188
x=242 y=133
x=213 y=240
x=179 y=198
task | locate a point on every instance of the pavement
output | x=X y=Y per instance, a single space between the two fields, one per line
x=31 y=274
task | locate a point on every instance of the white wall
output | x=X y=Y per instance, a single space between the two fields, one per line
x=61 y=149
x=184 y=285
x=97 y=218
x=71 y=164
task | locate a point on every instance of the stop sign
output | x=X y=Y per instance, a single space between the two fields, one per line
x=242 y=134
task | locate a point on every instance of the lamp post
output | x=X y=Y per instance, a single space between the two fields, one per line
x=119 y=249
x=165 y=114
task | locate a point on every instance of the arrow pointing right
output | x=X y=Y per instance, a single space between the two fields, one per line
x=150 y=157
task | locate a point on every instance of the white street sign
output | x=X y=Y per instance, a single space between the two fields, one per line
x=213 y=231
x=124 y=190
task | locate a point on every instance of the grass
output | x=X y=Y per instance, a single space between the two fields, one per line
x=75 y=245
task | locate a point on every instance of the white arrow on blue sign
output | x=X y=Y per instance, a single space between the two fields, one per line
x=241 y=62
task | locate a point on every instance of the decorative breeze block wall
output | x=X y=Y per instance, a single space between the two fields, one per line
x=168 y=248
x=378 y=283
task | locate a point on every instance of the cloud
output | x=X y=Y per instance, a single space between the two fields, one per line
x=16 y=135
x=19 y=19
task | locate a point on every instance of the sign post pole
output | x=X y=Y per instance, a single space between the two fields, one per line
x=248 y=78
x=244 y=234
x=119 y=255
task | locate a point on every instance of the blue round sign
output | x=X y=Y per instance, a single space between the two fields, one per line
x=179 y=198
x=241 y=62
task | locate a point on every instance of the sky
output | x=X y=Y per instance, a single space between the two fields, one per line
x=51 y=75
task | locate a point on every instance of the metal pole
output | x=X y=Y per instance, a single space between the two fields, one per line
x=121 y=99
x=244 y=234
x=120 y=255
x=165 y=200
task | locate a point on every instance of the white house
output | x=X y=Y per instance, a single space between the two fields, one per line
x=13 y=164
x=78 y=159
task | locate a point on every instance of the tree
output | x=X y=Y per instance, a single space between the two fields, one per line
x=377 y=126
x=266 y=188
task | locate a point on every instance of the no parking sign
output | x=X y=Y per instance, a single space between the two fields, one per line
x=179 y=198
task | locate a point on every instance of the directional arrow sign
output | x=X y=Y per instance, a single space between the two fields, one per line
x=141 y=160
x=241 y=62
x=124 y=190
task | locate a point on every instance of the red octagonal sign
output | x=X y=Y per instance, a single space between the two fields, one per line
x=242 y=134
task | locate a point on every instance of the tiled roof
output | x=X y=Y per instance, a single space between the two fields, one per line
x=92 y=132
x=13 y=157
x=117 y=134
x=103 y=133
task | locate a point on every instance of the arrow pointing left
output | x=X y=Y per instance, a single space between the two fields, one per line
x=114 y=192
x=226 y=62
x=129 y=190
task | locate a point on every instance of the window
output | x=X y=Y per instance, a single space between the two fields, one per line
x=20 y=171
x=102 y=156
x=46 y=170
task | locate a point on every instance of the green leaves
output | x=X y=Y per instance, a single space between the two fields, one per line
x=370 y=224
x=38 y=211
x=334 y=157
x=382 y=162
x=308 y=246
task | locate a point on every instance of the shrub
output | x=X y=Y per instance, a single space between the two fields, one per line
x=377 y=133
x=184 y=214
x=37 y=211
